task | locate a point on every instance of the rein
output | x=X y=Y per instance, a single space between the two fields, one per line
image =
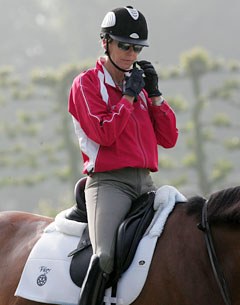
x=218 y=273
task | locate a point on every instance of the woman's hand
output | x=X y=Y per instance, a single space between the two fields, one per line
x=151 y=78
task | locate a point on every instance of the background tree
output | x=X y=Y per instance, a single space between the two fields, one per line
x=58 y=84
x=196 y=65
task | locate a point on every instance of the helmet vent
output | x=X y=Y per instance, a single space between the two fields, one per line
x=109 y=20
x=134 y=36
x=133 y=12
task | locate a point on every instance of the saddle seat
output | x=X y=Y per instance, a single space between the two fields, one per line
x=129 y=234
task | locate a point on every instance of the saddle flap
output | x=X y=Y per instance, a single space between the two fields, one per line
x=131 y=231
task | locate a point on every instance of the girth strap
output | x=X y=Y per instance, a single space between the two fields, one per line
x=217 y=270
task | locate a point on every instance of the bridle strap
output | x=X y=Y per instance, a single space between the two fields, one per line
x=217 y=270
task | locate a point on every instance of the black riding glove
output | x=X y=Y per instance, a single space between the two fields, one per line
x=134 y=83
x=150 y=79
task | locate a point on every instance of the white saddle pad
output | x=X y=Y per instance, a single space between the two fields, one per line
x=46 y=277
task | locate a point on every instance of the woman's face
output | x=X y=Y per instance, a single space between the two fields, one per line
x=124 y=55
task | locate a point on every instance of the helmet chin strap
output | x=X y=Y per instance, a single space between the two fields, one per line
x=115 y=65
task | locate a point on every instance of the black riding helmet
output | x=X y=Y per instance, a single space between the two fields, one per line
x=125 y=24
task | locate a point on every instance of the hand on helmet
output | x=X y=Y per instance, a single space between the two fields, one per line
x=134 y=83
x=150 y=79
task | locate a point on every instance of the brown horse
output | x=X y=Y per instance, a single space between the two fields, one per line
x=180 y=273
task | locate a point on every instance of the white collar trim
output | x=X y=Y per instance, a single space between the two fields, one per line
x=108 y=78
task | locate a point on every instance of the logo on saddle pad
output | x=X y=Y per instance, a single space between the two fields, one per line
x=42 y=278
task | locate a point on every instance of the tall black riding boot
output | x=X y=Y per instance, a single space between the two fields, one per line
x=93 y=287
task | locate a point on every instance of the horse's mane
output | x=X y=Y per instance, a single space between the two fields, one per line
x=223 y=206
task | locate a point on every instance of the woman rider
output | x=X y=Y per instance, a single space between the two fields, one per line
x=120 y=117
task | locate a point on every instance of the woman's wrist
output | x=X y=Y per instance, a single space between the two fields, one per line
x=157 y=100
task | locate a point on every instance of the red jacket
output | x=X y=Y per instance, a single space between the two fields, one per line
x=112 y=132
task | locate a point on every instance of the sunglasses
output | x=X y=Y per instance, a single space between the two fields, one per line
x=126 y=46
